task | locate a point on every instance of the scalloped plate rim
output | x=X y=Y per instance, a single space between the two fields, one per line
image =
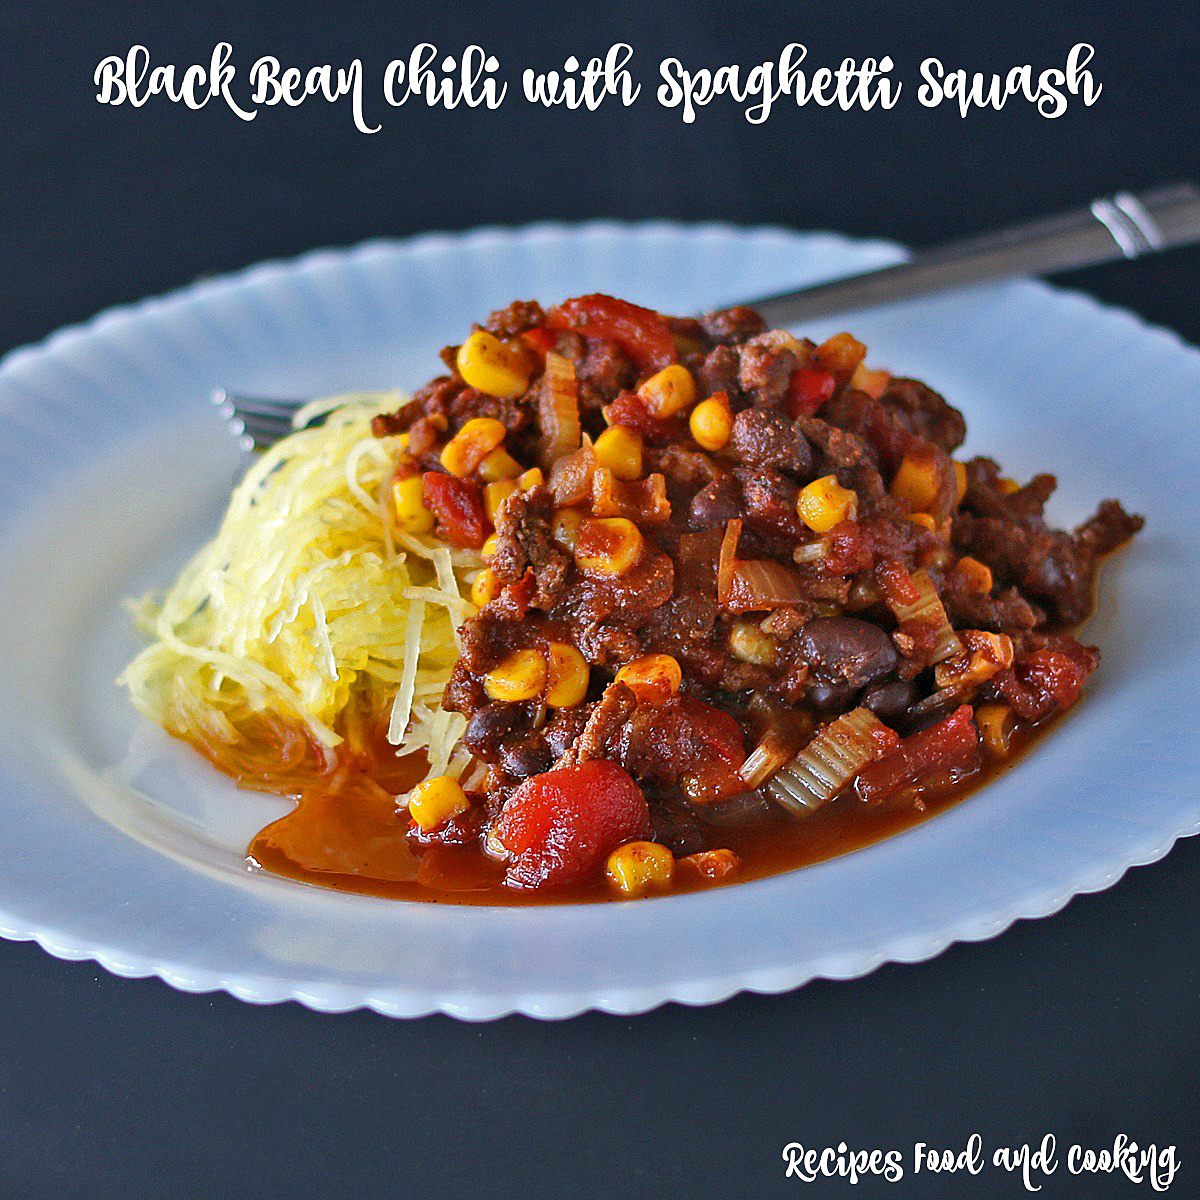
x=711 y=988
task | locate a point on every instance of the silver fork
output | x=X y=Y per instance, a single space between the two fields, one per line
x=1111 y=228
x=256 y=421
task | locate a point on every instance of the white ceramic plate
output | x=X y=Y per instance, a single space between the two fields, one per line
x=120 y=846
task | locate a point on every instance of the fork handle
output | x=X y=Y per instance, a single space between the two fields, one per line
x=1113 y=227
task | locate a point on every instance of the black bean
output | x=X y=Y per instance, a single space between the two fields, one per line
x=763 y=437
x=746 y=808
x=803 y=462
x=831 y=697
x=488 y=727
x=847 y=650
x=716 y=503
x=677 y=828
x=561 y=732
x=890 y=701
x=530 y=756
x=929 y=711
x=770 y=499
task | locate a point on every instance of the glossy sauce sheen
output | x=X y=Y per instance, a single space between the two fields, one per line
x=347 y=833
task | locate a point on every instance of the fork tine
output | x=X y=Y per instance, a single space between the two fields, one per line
x=264 y=426
x=257 y=422
x=255 y=406
x=255 y=434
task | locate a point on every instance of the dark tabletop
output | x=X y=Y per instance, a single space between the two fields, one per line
x=1083 y=1025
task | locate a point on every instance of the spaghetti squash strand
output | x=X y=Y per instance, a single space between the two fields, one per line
x=310 y=600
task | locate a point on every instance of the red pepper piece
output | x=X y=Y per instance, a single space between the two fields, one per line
x=458 y=506
x=808 y=388
x=560 y=826
x=641 y=332
x=943 y=753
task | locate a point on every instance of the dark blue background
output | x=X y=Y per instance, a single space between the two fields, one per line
x=1083 y=1024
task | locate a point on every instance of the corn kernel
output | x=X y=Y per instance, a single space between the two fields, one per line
x=711 y=422
x=494 y=496
x=925 y=520
x=960 y=481
x=521 y=676
x=487 y=364
x=530 y=479
x=996 y=724
x=873 y=382
x=839 y=355
x=485 y=588
x=916 y=482
x=472 y=444
x=409 y=506
x=565 y=529
x=435 y=801
x=489 y=548
x=653 y=678
x=499 y=465
x=669 y=391
x=640 y=867
x=608 y=545
x=748 y=643
x=619 y=448
x=567 y=675
x=976 y=575
x=824 y=503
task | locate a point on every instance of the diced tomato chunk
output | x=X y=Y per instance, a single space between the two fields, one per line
x=847 y=549
x=840 y=355
x=541 y=340
x=641 y=332
x=718 y=733
x=458 y=506
x=560 y=826
x=687 y=742
x=629 y=410
x=896 y=583
x=1048 y=679
x=943 y=753
x=808 y=388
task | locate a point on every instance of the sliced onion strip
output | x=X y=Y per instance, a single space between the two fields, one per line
x=727 y=559
x=760 y=584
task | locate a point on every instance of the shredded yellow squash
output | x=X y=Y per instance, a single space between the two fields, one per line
x=310 y=597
